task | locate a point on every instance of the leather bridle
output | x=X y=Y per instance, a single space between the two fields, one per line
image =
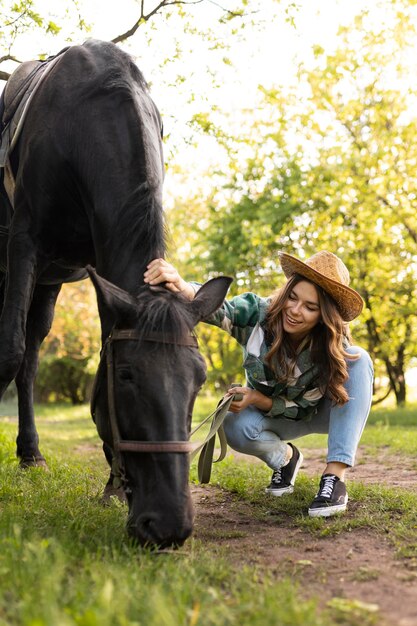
x=119 y=444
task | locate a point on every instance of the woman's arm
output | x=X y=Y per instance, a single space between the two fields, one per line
x=295 y=405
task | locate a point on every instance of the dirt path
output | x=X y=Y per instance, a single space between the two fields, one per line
x=356 y=566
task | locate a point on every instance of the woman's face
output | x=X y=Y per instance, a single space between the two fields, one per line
x=301 y=311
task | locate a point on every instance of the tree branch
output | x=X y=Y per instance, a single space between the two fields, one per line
x=233 y=13
x=144 y=18
x=8 y=57
x=408 y=228
x=379 y=400
x=165 y=3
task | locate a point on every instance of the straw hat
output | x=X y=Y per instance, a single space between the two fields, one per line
x=331 y=274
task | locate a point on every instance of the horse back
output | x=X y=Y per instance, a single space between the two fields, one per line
x=89 y=165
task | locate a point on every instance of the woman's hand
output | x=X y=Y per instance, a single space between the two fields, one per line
x=250 y=397
x=160 y=271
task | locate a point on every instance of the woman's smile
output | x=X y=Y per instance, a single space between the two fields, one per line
x=301 y=312
x=292 y=320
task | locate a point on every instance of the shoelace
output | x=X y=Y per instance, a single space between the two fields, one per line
x=327 y=486
x=277 y=475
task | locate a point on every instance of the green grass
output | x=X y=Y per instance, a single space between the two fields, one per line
x=65 y=560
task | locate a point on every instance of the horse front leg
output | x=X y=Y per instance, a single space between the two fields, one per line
x=20 y=282
x=39 y=323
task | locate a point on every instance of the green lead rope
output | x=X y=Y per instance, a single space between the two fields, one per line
x=206 y=448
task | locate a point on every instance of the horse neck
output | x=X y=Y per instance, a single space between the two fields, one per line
x=126 y=274
x=125 y=260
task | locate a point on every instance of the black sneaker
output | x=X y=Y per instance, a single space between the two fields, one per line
x=283 y=479
x=331 y=497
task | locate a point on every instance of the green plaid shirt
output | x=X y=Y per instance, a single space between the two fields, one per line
x=243 y=317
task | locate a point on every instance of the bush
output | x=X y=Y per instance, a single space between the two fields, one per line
x=64 y=378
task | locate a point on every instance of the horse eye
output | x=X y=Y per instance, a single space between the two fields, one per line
x=125 y=373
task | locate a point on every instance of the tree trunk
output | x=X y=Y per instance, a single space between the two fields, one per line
x=396 y=376
x=395 y=363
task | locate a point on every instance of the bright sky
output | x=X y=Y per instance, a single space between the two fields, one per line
x=262 y=56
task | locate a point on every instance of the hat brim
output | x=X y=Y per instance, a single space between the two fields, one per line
x=348 y=301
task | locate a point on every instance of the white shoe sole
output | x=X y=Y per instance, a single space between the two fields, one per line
x=280 y=492
x=290 y=488
x=328 y=511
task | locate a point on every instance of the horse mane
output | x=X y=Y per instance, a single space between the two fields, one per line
x=141 y=223
x=165 y=312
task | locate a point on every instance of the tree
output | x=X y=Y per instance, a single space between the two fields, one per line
x=22 y=21
x=369 y=173
x=335 y=167
x=187 y=218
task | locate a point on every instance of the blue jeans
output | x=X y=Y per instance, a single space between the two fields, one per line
x=251 y=432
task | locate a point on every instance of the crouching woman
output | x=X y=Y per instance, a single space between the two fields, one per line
x=303 y=375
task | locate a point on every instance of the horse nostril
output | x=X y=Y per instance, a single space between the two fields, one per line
x=148 y=526
x=144 y=529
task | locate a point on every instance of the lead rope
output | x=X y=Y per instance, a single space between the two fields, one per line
x=206 y=448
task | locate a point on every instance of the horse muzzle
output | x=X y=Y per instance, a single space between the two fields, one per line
x=160 y=530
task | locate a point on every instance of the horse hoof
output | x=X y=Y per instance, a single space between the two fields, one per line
x=33 y=461
x=113 y=492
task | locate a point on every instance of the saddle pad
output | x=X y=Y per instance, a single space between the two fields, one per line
x=17 y=101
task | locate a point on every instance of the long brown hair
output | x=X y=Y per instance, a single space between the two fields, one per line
x=327 y=342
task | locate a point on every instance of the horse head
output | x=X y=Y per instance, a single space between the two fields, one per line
x=149 y=376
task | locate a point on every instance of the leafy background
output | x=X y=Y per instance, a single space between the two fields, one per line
x=314 y=151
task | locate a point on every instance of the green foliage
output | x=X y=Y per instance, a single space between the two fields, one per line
x=53 y=28
x=366 y=177
x=223 y=357
x=337 y=173
x=69 y=355
x=76 y=328
x=64 y=378
x=25 y=19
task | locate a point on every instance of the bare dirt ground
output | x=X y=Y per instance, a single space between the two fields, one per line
x=357 y=565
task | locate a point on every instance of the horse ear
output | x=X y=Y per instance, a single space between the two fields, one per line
x=210 y=297
x=116 y=301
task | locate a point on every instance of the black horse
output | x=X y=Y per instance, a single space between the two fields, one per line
x=88 y=172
